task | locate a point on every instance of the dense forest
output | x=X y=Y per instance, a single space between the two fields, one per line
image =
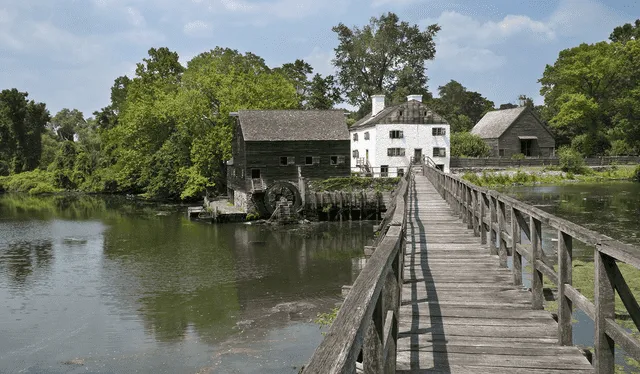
x=166 y=132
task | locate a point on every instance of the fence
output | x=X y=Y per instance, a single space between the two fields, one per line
x=367 y=322
x=504 y=219
x=457 y=162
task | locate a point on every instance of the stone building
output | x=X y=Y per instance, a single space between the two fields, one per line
x=384 y=142
x=513 y=131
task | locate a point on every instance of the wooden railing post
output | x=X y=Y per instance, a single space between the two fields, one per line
x=565 y=306
x=372 y=348
x=493 y=250
x=470 y=208
x=502 y=217
x=535 y=228
x=605 y=308
x=516 y=268
x=475 y=223
x=483 y=231
x=463 y=213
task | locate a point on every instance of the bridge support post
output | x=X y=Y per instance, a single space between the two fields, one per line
x=605 y=309
x=537 y=295
x=516 y=269
x=565 y=305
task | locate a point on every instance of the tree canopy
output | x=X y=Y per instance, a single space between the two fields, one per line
x=462 y=108
x=385 y=56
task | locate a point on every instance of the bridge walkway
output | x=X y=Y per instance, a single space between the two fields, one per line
x=460 y=312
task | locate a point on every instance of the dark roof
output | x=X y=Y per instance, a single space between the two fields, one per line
x=495 y=123
x=383 y=117
x=275 y=125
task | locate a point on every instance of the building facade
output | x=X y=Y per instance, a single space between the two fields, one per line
x=515 y=131
x=385 y=142
x=271 y=146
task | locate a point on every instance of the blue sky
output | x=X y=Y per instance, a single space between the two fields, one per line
x=67 y=53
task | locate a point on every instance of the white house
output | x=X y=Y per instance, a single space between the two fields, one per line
x=386 y=141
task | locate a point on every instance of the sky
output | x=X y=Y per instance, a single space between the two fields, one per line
x=66 y=53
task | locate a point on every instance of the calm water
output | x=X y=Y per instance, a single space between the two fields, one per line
x=107 y=285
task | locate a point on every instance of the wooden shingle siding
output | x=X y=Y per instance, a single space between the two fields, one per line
x=526 y=125
x=266 y=157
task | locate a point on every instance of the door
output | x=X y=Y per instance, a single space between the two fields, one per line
x=366 y=155
x=417 y=155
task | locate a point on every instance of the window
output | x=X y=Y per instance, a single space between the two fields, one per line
x=255 y=173
x=401 y=172
x=395 y=152
x=356 y=154
x=336 y=160
x=439 y=152
x=501 y=153
x=366 y=135
x=355 y=137
x=311 y=160
x=438 y=131
x=287 y=160
x=396 y=134
x=384 y=170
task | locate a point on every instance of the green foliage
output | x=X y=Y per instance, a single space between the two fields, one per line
x=518 y=156
x=323 y=93
x=32 y=182
x=66 y=123
x=252 y=216
x=571 y=160
x=461 y=108
x=326 y=319
x=383 y=56
x=465 y=144
x=636 y=174
x=620 y=148
x=349 y=184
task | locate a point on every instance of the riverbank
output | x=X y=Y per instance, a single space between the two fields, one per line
x=530 y=176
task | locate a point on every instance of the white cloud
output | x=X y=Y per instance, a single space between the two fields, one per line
x=586 y=19
x=134 y=17
x=379 y=3
x=321 y=61
x=278 y=9
x=197 y=28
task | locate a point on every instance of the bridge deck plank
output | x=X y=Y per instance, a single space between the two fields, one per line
x=460 y=312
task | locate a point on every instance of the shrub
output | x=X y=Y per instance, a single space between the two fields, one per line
x=620 y=148
x=518 y=156
x=636 y=174
x=465 y=144
x=590 y=145
x=33 y=182
x=571 y=160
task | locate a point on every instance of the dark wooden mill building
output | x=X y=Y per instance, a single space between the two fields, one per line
x=513 y=131
x=273 y=149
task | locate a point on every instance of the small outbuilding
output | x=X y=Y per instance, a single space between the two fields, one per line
x=273 y=149
x=513 y=131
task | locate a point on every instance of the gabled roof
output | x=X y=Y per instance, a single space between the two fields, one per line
x=495 y=123
x=410 y=112
x=287 y=125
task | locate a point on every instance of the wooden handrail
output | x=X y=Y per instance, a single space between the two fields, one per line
x=472 y=203
x=367 y=322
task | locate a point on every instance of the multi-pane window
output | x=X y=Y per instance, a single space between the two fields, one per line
x=355 y=137
x=396 y=134
x=356 y=154
x=366 y=135
x=287 y=160
x=439 y=152
x=311 y=160
x=336 y=160
x=439 y=131
x=384 y=170
x=394 y=152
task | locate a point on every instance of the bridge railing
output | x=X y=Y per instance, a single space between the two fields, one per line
x=367 y=323
x=503 y=219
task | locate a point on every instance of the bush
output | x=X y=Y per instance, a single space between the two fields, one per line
x=33 y=182
x=465 y=144
x=590 y=145
x=518 y=156
x=571 y=160
x=636 y=174
x=620 y=148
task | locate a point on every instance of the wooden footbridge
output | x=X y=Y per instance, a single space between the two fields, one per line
x=437 y=296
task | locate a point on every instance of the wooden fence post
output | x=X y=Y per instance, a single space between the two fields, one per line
x=516 y=268
x=565 y=306
x=483 y=231
x=535 y=228
x=476 y=228
x=372 y=348
x=502 y=216
x=493 y=250
x=470 y=208
x=605 y=308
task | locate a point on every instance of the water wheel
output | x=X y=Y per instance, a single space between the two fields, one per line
x=282 y=190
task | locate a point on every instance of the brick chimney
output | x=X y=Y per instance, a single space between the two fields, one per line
x=417 y=98
x=377 y=104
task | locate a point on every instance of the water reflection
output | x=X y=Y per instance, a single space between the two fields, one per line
x=122 y=285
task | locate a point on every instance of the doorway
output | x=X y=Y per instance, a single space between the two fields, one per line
x=366 y=155
x=417 y=155
x=526 y=147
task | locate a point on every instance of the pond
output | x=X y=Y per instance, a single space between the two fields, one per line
x=110 y=285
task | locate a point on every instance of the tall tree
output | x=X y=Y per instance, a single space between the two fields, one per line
x=373 y=59
x=461 y=108
x=297 y=73
x=626 y=32
x=67 y=122
x=323 y=93
x=22 y=123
